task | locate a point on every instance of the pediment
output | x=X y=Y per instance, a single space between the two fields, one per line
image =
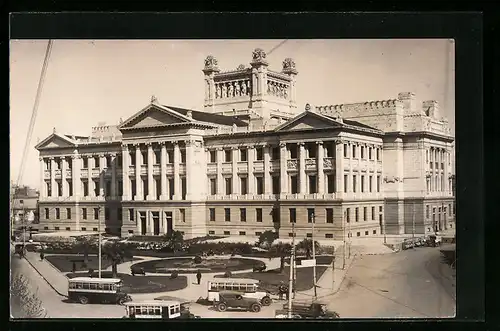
x=308 y=121
x=153 y=117
x=55 y=141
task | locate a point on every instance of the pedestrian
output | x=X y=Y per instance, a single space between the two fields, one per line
x=198 y=276
x=281 y=290
x=41 y=256
x=73 y=268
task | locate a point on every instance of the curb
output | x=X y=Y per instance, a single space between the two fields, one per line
x=345 y=273
x=55 y=290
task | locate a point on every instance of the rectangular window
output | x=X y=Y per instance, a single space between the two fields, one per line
x=427 y=211
x=58 y=213
x=378 y=183
x=68 y=229
x=243 y=185
x=358 y=234
x=84 y=213
x=258 y=233
x=182 y=215
x=366 y=233
x=329 y=235
x=329 y=215
x=309 y=235
x=362 y=152
x=345 y=150
x=243 y=233
x=213 y=186
x=356 y=214
x=97 y=188
x=131 y=214
x=353 y=151
x=243 y=215
x=373 y=213
x=275 y=153
x=108 y=189
x=276 y=215
x=56 y=228
x=293 y=215
x=294 y=184
x=259 y=153
x=84 y=229
x=276 y=184
x=211 y=232
x=106 y=213
x=365 y=211
x=96 y=213
x=95 y=229
x=258 y=214
x=59 y=189
x=362 y=183
x=213 y=157
x=370 y=183
x=310 y=215
x=227 y=233
x=229 y=185
x=227 y=214
x=47 y=215
x=370 y=156
x=243 y=155
x=68 y=213
x=46 y=228
x=348 y=215
x=345 y=183
x=354 y=182
x=330 y=183
x=183 y=156
x=85 y=164
x=228 y=155
x=211 y=214
x=119 y=214
x=170 y=156
x=97 y=162
x=70 y=188
x=312 y=184
x=85 y=188
x=260 y=185
x=378 y=154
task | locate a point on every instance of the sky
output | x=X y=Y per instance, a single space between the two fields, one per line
x=92 y=81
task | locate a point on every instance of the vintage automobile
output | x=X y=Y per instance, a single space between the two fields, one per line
x=307 y=310
x=97 y=290
x=232 y=299
x=408 y=243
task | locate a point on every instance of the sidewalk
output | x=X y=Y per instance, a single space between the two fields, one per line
x=53 y=277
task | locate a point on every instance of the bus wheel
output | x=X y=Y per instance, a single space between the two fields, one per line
x=221 y=306
x=266 y=301
x=83 y=300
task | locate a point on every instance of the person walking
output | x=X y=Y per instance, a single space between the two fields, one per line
x=73 y=267
x=41 y=255
x=198 y=277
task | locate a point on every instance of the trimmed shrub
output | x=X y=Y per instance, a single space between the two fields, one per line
x=228 y=274
x=174 y=275
x=197 y=259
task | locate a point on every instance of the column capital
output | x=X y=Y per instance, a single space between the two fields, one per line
x=125 y=147
x=300 y=144
x=175 y=142
x=162 y=143
x=112 y=154
x=282 y=144
x=51 y=158
x=41 y=159
x=338 y=141
x=250 y=147
x=219 y=149
x=76 y=156
x=148 y=144
x=189 y=142
x=234 y=148
x=319 y=142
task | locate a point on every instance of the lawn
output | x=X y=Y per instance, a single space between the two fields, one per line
x=187 y=265
x=142 y=284
x=320 y=260
x=64 y=263
x=271 y=279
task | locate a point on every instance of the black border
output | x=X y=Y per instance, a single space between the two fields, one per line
x=465 y=28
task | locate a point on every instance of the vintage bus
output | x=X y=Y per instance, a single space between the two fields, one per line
x=97 y=290
x=249 y=288
x=153 y=309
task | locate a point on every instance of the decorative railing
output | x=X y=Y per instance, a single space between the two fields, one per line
x=274 y=165
x=328 y=163
x=258 y=166
x=292 y=164
x=310 y=164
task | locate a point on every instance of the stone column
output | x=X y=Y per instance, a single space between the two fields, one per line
x=138 y=222
x=189 y=168
x=177 y=179
x=52 y=177
x=149 y=222
x=90 y=164
x=234 y=168
x=283 y=169
x=125 y=173
x=138 y=182
x=42 y=191
x=302 y=169
x=102 y=160
x=151 y=188
x=63 y=176
x=339 y=168
x=75 y=175
x=113 y=175
x=220 y=179
x=163 y=171
x=268 y=183
x=319 y=167
x=250 y=160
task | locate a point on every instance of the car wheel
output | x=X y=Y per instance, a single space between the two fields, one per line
x=221 y=307
x=83 y=300
x=266 y=301
x=255 y=308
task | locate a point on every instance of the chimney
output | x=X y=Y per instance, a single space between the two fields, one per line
x=408 y=100
x=431 y=108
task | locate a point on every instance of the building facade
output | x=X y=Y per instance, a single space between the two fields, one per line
x=251 y=162
x=24 y=205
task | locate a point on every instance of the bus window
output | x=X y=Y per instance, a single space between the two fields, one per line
x=157 y=311
x=172 y=310
x=220 y=287
x=213 y=286
x=137 y=310
x=93 y=286
x=71 y=285
x=79 y=285
x=144 y=310
x=86 y=286
x=177 y=309
x=151 y=310
x=100 y=286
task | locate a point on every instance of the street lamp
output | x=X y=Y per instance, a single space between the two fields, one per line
x=99 y=231
x=313 y=220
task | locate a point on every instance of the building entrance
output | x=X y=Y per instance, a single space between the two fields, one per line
x=169 y=220
x=144 y=223
x=156 y=223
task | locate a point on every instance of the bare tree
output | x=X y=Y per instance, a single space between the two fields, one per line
x=24 y=299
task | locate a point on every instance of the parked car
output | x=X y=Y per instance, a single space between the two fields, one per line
x=307 y=310
x=408 y=243
x=232 y=299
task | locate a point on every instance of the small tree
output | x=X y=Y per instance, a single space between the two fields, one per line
x=306 y=245
x=175 y=240
x=85 y=244
x=24 y=301
x=282 y=250
x=116 y=253
x=266 y=239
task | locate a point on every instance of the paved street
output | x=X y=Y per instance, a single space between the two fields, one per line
x=412 y=283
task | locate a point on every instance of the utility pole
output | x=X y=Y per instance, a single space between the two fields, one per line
x=292 y=263
x=349 y=235
x=23 y=222
x=344 y=221
x=314 y=258
x=413 y=223
x=384 y=230
x=99 y=230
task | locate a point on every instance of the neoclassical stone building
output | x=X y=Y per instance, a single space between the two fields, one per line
x=251 y=162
